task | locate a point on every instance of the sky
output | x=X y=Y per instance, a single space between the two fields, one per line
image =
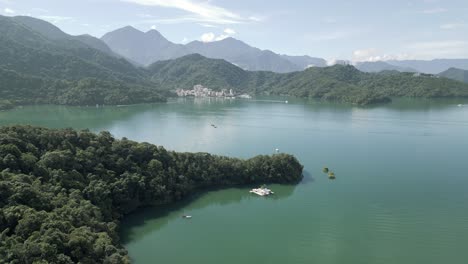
x=358 y=30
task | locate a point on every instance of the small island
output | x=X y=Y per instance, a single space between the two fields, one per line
x=63 y=192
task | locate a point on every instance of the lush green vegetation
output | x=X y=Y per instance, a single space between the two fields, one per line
x=24 y=89
x=62 y=192
x=43 y=68
x=41 y=64
x=456 y=74
x=336 y=83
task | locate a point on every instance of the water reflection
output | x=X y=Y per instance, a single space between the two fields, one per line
x=148 y=220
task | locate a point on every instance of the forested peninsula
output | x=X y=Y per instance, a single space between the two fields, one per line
x=62 y=192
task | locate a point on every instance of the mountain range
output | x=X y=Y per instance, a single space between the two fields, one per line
x=455 y=74
x=148 y=47
x=342 y=83
x=40 y=64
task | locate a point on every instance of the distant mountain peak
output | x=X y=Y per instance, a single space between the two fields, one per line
x=45 y=28
x=130 y=28
x=155 y=34
x=152 y=31
x=152 y=46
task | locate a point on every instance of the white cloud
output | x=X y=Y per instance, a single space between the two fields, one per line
x=439 y=49
x=56 y=19
x=207 y=25
x=144 y=15
x=452 y=26
x=229 y=31
x=202 y=11
x=364 y=54
x=9 y=11
x=335 y=61
x=372 y=54
x=208 y=37
x=185 y=40
x=153 y=27
x=256 y=18
x=434 y=11
x=221 y=37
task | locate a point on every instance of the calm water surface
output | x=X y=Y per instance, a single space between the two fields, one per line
x=400 y=195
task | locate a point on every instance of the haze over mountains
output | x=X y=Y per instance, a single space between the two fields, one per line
x=145 y=48
x=455 y=74
x=148 y=47
x=40 y=64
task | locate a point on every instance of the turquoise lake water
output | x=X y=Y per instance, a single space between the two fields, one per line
x=401 y=193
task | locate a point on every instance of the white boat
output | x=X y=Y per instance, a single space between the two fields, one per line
x=262 y=191
x=187 y=216
x=460 y=105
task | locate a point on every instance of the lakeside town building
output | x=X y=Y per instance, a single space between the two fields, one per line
x=202 y=91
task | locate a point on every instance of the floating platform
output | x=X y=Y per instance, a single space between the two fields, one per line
x=262 y=191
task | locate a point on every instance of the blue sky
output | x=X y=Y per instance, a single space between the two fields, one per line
x=332 y=29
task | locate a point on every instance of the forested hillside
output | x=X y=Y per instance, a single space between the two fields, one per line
x=342 y=83
x=47 y=68
x=41 y=64
x=62 y=192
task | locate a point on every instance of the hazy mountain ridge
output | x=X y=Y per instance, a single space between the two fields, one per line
x=143 y=47
x=49 y=66
x=378 y=66
x=456 y=74
x=146 y=48
x=431 y=66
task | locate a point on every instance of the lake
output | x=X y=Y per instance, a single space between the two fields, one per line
x=401 y=193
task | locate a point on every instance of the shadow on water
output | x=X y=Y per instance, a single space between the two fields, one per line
x=78 y=117
x=307 y=178
x=163 y=214
x=419 y=104
x=397 y=104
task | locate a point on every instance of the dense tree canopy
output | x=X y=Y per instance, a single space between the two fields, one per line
x=51 y=67
x=342 y=83
x=41 y=64
x=62 y=192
